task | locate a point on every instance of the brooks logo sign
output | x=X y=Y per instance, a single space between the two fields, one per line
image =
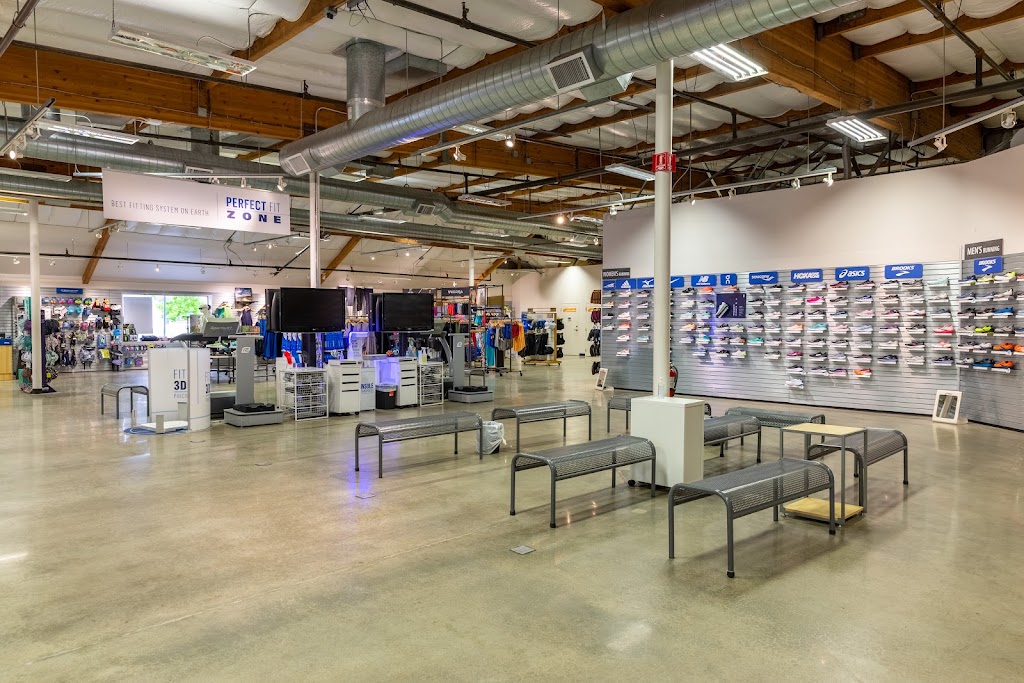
x=910 y=271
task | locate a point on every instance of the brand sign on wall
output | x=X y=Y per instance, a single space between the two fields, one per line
x=454 y=292
x=728 y=279
x=986 y=266
x=853 y=273
x=677 y=282
x=167 y=201
x=70 y=290
x=806 y=275
x=703 y=280
x=645 y=283
x=909 y=271
x=764 y=277
x=986 y=248
x=613 y=273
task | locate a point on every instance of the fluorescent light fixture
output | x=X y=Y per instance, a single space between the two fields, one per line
x=483 y=200
x=357 y=177
x=39 y=175
x=139 y=40
x=488 y=233
x=583 y=218
x=88 y=132
x=380 y=219
x=853 y=127
x=729 y=62
x=12 y=212
x=631 y=171
x=558 y=261
x=471 y=129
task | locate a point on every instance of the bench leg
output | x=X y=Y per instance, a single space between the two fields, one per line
x=627 y=419
x=906 y=468
x=721 y=450
x=456 y=442
x=512 y=496
x=552 y=498
x=831 y=505
x=590 y=426
x=759 y=446
x=480 y=439
x=357 y=452
x=728 y=539
x=609 y=428
x=564 y=428
x=671 y=526
x=380 y=458
x=654 y=474
x=517 y=435
x=613 y=477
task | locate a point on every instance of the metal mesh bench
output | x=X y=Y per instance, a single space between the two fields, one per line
x=752 y=489
x=626 y=403
x=540 y=412
x=881 y=444
x=777 y=419
x=575 y=461
x=114 y=391
x=390 y=431
x=719 y=430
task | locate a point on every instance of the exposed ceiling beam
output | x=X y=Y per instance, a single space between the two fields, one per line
x=493 y=267
x=825 y=70
x=964 y=23
x=104 y=86
x=959 y=78
x=352 y=243
x=97 y=253
x=863 y=18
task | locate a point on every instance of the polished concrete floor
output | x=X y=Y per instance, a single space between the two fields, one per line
x=259 y=554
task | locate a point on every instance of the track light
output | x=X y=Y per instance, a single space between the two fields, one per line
x=597 y=241
x=828 y=180
x=254 y=247
x=270 y=245
x=693 y=199
x=510 y=141
x=140 y=40
x=940 y=143
x=157 y=269
x=202 y=271
x=245 y=183
x=13 y=154
x=281 y=184
x=795 y=183
x=16 y=260
x=732 y=192
x=1009 y=119
x=52 y=263
x=560 y=219
x=614 y=211
x=373 y=258
x=407 y=253
x=458 y=155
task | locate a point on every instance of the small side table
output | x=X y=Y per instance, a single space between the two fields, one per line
x=814 y=507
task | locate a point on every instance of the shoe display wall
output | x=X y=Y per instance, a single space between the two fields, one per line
x=902 y=340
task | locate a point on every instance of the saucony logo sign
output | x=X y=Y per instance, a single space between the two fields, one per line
x=761 y=277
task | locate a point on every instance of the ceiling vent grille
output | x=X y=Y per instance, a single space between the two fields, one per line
x=425 y=209
x=571 y=72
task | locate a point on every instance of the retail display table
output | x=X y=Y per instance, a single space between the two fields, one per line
x=813 y=507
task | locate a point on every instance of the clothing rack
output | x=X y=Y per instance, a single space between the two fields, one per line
x=551 y=318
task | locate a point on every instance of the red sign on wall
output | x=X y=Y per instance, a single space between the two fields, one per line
x=663 y=161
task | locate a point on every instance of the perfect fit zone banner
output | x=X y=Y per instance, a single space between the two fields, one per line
x=168 y=201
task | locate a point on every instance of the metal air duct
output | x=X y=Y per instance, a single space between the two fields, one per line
x=156 y=159
x=364 y=75
x=87 y=192
x=637 y=39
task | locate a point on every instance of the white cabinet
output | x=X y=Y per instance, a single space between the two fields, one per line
x=343 y=379
x=408 y=386
x=676 y=428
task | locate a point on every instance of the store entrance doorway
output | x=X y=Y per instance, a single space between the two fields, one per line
x=577 y=327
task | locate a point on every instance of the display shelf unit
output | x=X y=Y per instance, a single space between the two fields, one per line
x=431 y=384
x=305 y=393
x=551 y=316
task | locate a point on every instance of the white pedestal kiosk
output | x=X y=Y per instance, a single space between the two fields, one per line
x=179 y=385
x=676 y=428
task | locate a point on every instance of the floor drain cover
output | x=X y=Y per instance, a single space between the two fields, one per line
x=522 y=549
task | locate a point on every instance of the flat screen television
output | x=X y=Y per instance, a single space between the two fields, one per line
x=405 y=312
x=298 y=309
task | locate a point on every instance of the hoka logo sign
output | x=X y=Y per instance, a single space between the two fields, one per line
x=848 y=273
x=798 y=275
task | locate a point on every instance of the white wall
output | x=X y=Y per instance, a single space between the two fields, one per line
x=916 y=216
x=558 y=288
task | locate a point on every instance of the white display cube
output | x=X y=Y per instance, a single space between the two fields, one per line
x=676 y=428
x=178 y=376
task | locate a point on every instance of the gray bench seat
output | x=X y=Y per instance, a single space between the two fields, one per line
x=390 y=431
x=719 y=430
x=881 y=444
x=114 y=391
x=580 y=459
x=752 y=489
x=541 y=412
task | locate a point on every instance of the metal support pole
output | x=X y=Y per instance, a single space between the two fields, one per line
x=662 y=227
x=314 y=230
x=38 y=352
x=472 y=271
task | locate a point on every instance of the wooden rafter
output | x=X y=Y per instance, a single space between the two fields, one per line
x=97 y=252
x=493 y=267
x=964 y=23
x=102 y=86
x=863 y=18
x=959 y=78
x=349 y=247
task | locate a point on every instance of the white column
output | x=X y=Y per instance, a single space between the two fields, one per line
x=314 y=230
x=38 y=352
x=662 y=228
x=472 y=269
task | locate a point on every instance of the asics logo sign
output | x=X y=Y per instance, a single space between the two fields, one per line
x=853 y=273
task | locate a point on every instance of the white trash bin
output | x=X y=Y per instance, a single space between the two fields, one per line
x=492 y=437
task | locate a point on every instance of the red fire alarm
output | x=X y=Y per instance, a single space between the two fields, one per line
x=663 y=161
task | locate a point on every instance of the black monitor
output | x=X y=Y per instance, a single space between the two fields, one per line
x=405 y=312
x=298 y=309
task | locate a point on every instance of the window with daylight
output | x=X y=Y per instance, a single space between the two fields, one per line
x=162 y=315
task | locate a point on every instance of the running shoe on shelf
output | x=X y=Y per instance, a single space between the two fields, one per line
x=818 y=356
x=913 y=284
x=795 y=370
x=818 y=343
x=983 y=329
x=969 y=281
x=866 y=299
x=1008 y=276
x=815 y=301
x=756 y=289
x=840 y=329
x=985 y=279
x=840 y=286
x=622 y=338
x=939 y=282
x=942 y=346
x=945 y=329
x=890 y=329
x=838 y=344
x=863 y=359
x=819 y=371
x=891 y=314
x=889 y=360
x=841 y=315
x=917 y=329
x=916 y=313
x=772 y=355
x=796 y=287
x=1003 y=365
x=622 y=353
x=644 y=339
x=625 y=316
x=795 y=329
x=795 y=383
x=866 y=284
x=863 y=329
x=818 y=327
x=838 y=372
x=862 y=372
x=794 y=302
x=983 y=364
x=891 y=284
x=795 y=354
x=866 y=314
x=943 y=361
x=688 y=339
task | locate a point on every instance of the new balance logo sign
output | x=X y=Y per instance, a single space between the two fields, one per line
x=703 y=280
